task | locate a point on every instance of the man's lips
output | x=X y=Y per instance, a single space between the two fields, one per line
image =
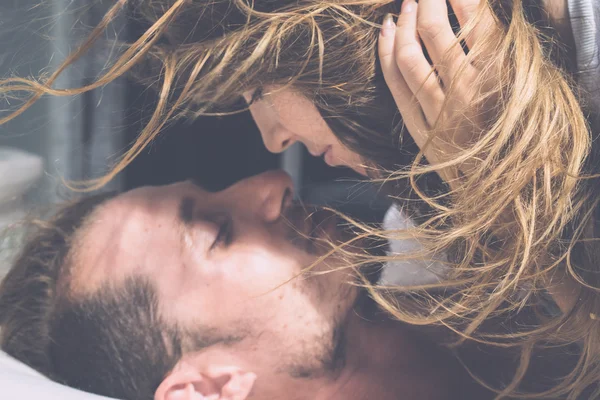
x=311 y=224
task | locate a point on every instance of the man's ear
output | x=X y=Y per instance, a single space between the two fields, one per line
x=190 y=382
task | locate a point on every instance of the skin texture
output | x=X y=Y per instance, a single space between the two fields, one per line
x=249 y=286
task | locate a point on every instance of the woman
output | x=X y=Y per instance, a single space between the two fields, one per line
x=515 y=214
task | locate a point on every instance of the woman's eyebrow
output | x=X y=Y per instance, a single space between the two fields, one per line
x=186 y=210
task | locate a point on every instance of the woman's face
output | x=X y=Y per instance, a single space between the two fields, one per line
x=284 y=117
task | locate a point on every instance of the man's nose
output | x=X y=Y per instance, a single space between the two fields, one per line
x=267 y=194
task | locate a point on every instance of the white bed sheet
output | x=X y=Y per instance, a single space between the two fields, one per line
x=18 y=381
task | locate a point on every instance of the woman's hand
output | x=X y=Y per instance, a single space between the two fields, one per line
x=419 y=88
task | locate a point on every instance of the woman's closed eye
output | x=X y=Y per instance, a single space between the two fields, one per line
x=256 y=95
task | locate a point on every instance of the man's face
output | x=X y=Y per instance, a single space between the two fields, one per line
x=229 y=262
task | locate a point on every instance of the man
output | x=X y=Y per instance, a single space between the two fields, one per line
x=176 y=293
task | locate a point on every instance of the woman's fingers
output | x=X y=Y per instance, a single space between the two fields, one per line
x=392 y=75
x=413 y=84
x=416 y=70
x=408 y=105
x=445 y=51
x=466 y=11
x=406 y=102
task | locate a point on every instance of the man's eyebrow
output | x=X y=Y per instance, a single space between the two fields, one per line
x=186 y=210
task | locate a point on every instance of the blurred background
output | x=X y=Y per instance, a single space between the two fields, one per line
x=79 y=137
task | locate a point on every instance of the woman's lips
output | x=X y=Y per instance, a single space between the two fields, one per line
x=328 y=156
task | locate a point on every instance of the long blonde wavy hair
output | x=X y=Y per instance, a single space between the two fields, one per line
x=520 y=221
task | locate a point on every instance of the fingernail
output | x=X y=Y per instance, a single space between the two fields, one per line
x=407 y=6
x=388 y=25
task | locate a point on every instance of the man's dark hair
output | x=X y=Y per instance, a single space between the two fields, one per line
x=112 y=342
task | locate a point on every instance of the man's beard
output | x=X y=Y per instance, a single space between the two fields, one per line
x=328 y=360
x=329 y=355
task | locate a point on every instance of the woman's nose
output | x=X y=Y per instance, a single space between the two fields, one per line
x=278 y=139
x=267 y=195
x=275 y=136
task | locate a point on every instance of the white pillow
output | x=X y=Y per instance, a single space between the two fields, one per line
x=18 y=381
x=18 y=170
